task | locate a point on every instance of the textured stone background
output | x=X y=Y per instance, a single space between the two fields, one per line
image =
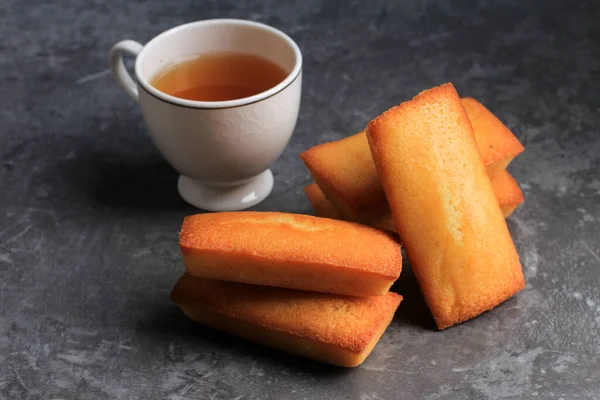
x=89 y=213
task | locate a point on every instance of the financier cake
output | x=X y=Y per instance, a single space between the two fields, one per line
x=324 y=208
x=292 y=251
x=345 y=172
x=497 y=145
x=505 y=187
x=444 y=207
x=320 y=204
x=507 y=191
x=334 y=329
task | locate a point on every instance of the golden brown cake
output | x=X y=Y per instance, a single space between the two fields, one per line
x=345 y=172
x=334 y=329
x=507 y=191
x=320 y=204
x=292 y=251
x=496 y=143
x=444 y=207
x=324 y=208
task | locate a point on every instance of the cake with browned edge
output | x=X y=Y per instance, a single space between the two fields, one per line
x=292 y=251
x=334 y=329
x=505 y=187
x=444 y=206
x=345 y=172
x=507 y=192
x=497 y=145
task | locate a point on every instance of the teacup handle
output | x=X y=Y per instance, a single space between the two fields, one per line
x=117 y=66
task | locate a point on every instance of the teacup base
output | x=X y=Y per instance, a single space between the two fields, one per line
x=226 y=197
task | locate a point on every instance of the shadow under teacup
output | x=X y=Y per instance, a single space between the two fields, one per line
x=222 y=149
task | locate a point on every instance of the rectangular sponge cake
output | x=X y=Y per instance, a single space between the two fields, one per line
x=496 y=143
x=322 y=207
x=444 y=206
x=345 y=172
x=505 y=187
x=507 y=191
x=291 y=251
x=333 y=329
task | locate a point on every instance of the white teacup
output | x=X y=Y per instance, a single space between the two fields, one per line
x=222 y=149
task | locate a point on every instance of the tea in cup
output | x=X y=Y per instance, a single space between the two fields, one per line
x=220 y=99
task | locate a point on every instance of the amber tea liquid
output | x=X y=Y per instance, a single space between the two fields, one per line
x=219 y=77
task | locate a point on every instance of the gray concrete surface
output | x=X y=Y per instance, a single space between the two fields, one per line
x=89 y=213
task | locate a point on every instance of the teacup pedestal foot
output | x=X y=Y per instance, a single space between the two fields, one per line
x=227 y=196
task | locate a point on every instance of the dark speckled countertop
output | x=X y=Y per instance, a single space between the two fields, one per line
x=89 y=212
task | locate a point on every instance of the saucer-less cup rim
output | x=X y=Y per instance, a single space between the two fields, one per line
x=145 y=84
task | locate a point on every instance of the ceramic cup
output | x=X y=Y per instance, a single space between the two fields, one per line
x=222 y=149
